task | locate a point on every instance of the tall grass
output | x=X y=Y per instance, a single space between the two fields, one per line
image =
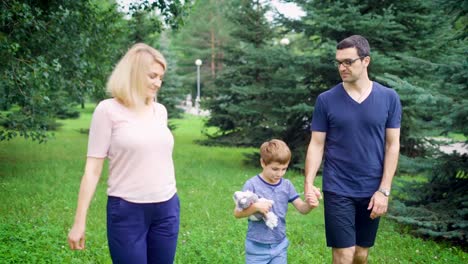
x=39 y=186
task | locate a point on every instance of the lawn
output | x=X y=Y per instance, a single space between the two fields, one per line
x=39 y=186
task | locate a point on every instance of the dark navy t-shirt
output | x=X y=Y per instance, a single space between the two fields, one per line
x=355 y=140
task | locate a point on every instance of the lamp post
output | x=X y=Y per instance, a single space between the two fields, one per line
x=198 y=62
x=284 y=41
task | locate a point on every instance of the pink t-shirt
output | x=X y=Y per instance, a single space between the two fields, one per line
x=139 y=150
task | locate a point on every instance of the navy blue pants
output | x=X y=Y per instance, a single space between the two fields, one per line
x=142 y=233
x=348 y=222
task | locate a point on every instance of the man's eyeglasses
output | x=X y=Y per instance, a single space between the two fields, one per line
x=347 y=63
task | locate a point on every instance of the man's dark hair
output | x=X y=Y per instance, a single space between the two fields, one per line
x=355 y=41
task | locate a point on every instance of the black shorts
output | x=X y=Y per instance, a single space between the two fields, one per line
x=348 y=222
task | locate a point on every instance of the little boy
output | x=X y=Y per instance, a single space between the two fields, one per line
x=262 y=244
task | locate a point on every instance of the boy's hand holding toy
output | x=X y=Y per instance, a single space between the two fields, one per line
x=244 y=200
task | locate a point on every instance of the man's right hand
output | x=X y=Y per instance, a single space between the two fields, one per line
x=311 y=200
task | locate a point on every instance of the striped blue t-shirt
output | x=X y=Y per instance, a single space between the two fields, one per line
x=281 y=193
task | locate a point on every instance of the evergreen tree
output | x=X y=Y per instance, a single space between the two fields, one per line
x=417 y=50
x=202 y=37
x=172 y=92
x=437 y=208
x=403 y=47
x=255 y=96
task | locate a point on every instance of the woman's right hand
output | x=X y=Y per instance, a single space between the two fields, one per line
x=93 y=169
x=76 y=238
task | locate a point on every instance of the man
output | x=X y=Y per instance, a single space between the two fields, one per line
x=356 y=124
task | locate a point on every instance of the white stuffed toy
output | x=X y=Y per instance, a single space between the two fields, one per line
x=244 y=200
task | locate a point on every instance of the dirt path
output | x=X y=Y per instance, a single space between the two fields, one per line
x=459 y=147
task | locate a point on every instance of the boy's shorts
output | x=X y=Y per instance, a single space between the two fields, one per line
x=348 y=222
x=259 y=253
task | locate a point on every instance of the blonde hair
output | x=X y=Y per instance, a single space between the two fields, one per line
x=275 y=150
x=127 y=83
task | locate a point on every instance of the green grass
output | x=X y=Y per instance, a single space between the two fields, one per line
x=457 y=137
x=39 y=186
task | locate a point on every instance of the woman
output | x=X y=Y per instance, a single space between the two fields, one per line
x=131 y=131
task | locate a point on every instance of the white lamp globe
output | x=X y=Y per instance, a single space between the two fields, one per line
x=284 y=41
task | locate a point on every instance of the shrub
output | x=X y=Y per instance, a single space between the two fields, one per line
x=437 y=208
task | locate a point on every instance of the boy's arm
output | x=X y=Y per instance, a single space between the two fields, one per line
x=303 y=207
x=261 y=207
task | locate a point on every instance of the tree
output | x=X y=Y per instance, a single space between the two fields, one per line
x=403 y=46
x=454 y=65
x=172 y=91
x=254 y=96
x=147 y=26
x=437 y=208
x=402 y=43
x=420 y=51
x=45 y=70
x=202 y=37
x=56 y=54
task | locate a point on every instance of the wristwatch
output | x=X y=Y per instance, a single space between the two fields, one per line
x=385 y=192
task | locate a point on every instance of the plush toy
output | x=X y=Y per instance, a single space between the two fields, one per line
x=244 y=199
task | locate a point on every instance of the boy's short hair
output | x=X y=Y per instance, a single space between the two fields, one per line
x=275 y=150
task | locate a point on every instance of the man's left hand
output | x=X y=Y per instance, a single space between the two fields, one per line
x=378 y=204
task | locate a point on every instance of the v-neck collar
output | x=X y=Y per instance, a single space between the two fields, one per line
x=354 y=101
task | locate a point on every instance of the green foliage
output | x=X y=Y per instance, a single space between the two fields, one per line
x=59 y=53
x=49 y=60
x=453 y=82
x=413 y=166
x=172 y=91
x=437 y=207
x=203 y=37
x=255 y=95
x=171 y=12
x=261 y=86
x=405 y=50
x=418 y=114
x=458 y=11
